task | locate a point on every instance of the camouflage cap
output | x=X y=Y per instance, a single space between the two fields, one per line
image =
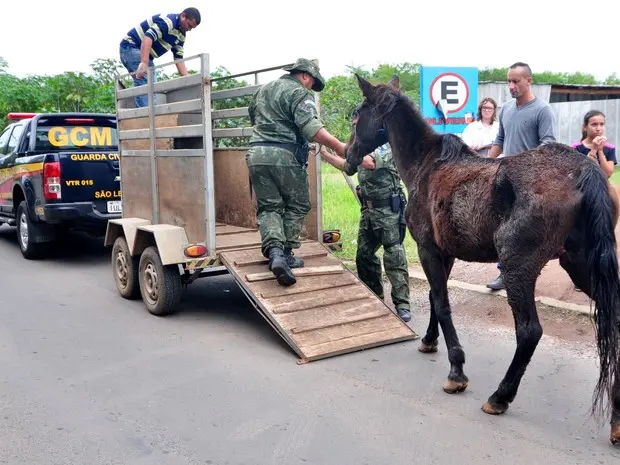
x=307 y=66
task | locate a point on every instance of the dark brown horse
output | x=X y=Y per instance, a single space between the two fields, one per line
x=523 y=211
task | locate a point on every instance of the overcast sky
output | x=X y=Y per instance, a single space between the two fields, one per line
x=243 y=35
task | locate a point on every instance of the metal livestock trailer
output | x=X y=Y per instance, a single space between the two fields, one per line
x=188 y=213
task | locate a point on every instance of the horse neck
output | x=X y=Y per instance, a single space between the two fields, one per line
x=411 y=140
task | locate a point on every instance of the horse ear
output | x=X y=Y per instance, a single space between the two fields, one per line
x=366 y=87
x=395 y=82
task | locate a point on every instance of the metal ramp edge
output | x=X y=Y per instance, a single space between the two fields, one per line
x=328 y=312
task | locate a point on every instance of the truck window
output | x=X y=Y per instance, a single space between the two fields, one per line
x=4 y=139
x=14 y=139
x=54 y=137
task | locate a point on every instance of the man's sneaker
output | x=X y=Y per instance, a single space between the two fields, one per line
x=497 y=284
x=292 y=261
x=404 y=314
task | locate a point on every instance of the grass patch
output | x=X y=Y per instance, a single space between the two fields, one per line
x=341 y=211
x=615 y=176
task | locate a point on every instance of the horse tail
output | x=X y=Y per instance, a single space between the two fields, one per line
x=600 y=242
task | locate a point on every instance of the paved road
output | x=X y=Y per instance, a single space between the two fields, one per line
x=89 y=378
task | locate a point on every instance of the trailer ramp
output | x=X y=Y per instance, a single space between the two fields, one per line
x=328 y=312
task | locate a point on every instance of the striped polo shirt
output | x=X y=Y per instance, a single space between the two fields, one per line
x=164 y=30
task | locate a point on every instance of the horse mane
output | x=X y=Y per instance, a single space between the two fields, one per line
x=386 y=97
x=557 y=148
x=453 y=148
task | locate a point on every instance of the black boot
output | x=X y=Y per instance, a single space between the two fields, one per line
x=291 y=260
x=279 y=267
x=404 y=314
x=497 y=284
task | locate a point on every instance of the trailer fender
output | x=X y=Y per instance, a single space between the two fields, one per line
x=170 y=242
x=123 y=227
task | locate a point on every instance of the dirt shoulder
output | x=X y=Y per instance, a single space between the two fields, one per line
x=488 y=311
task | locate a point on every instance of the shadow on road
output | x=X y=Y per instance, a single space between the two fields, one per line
x=73 y=247
x=219 y=300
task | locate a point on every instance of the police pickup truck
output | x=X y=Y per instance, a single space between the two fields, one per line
x=58 y=171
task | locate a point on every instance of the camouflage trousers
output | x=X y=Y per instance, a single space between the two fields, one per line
x=380 y=227
x=282 y=201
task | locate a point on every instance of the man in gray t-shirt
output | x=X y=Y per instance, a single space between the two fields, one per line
x=526 y=126
x=524 y=123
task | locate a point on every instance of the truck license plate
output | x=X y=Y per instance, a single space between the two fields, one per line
x=115 y=206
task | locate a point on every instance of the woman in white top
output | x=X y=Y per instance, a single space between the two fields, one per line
x=480 y=134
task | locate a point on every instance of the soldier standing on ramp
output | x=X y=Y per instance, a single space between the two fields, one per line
x=382 y=223
x=284 y=117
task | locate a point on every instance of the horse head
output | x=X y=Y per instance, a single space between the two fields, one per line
x=370 y=130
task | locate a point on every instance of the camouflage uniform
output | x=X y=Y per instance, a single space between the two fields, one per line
x=381 y=226
x=284 y=116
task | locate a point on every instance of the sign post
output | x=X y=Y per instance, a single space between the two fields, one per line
x=449 y=97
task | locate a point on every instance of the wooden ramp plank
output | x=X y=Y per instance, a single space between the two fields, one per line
x=250 y=257
x=321 y=315
x=306 y=271
x=308 y=301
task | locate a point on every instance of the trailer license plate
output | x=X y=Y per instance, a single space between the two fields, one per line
x=115 y=206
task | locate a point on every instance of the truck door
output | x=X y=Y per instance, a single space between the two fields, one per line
x=7 y=161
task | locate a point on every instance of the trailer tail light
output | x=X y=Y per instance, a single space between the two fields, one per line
x=329 y=237
x=195 y=250
x=51 y=181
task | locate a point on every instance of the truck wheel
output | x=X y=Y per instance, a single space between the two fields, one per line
x=125 y=269
x=160 y=285
x=25 y=231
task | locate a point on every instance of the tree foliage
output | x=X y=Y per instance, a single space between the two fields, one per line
x=94 y=91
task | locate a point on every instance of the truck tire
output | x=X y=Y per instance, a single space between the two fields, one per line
x=30 y=250
x=125 y=269
x=160 y=285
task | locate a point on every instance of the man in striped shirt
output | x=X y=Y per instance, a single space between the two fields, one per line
x=151 y=39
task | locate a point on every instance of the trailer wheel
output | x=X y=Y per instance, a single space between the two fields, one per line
x=125 y=269
x=160 y=285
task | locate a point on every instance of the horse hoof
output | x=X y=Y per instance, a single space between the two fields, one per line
x=428 y=348
x=494 y=408
x=615 y=434
x=452 y=387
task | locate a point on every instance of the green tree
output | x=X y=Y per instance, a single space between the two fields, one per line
x=226 y=104
x=94 y=91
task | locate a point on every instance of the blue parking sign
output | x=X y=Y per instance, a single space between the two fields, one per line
x=448 y=97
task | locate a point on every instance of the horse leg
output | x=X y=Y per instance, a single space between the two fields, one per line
x=434 y=265
x=428 y=344
x=520 y=285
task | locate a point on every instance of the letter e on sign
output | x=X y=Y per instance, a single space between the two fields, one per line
x=452 y=88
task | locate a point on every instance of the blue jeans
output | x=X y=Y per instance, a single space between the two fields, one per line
x=130 y=58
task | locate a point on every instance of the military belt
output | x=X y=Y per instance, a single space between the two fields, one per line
x=300 y=152
x=283 y=145
x=375 y=203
